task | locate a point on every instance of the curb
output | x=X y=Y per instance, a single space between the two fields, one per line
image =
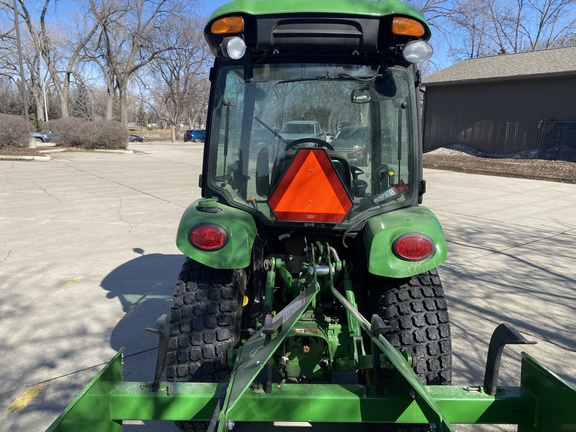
x=127 y=151
x=487 y=172
x=25 y=158
x=56 y=150
x=47 y=156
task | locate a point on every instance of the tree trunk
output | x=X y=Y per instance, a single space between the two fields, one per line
x=39 y=101
x=63 y=104
x=110 y=106
x=123 y=101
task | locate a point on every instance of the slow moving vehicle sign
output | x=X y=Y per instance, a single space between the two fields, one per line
x=310 y=190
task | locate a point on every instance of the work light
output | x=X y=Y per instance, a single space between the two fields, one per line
x=233 y=47
x=417 y=51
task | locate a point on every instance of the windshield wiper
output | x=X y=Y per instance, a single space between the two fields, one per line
x=272 y=131
x=361 y=78
x=334 y=77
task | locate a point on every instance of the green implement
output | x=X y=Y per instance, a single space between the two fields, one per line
x=542 y=403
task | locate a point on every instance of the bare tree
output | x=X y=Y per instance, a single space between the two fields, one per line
x=11 y=58
x=198 y=103
x=177 y=76
x=474 y=21
x=9 y=97
x=7 y=40
x=57 y=51
x=100 y=103
x=489 y=27
x=434 y=10
x=437 y=13
x=553 y=23
x=130 y=37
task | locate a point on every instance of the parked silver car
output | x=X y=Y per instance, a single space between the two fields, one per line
x=353 y=141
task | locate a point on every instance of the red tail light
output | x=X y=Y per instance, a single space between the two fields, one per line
x=208 y=237
x=413 y=247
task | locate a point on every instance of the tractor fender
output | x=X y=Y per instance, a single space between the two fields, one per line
x=381 y=231
x=239 y=226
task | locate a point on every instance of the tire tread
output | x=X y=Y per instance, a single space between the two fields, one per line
x=204 y=324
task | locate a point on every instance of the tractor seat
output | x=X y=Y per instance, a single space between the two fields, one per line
x=339 y=161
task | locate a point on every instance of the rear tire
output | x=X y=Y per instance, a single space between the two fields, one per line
x=204 y=323
x=416 y=310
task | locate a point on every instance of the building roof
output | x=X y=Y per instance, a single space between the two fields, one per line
x=560 y=61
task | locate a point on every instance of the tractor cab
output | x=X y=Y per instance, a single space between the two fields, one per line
x=281 y=85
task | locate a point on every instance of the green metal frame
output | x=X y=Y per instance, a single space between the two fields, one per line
x=543 y=403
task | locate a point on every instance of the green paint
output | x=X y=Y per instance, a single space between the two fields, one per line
x=542 y=404
x=238 y=224
x=89 y=411
x=381 y=231
x=348 y=7
x=556 y=399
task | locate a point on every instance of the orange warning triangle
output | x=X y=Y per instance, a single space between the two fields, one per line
x=310 y=190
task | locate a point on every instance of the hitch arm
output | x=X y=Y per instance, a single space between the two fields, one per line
x=433 y=412
x=503 y=335
x=160 y=327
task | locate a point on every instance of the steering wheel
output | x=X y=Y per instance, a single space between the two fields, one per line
x=319 y=143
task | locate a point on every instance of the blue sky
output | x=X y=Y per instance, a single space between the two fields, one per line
x=65 y=7
x=208 y=6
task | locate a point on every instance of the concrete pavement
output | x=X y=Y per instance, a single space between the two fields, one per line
x=87 y=260
x=511 y=258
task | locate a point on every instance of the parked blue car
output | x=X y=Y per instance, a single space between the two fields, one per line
x=136 y=138
x=44 y=137
x=195 y=135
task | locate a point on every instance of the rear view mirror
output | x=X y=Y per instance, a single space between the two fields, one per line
x=383 y=87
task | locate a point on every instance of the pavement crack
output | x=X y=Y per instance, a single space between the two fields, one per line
x=135 y=189
x=43 y=189
x=6 y=257
x=120 y=206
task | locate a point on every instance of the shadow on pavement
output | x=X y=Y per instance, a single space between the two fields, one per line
x=144 y=286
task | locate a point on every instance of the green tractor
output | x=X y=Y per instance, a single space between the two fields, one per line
x=310 y=291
